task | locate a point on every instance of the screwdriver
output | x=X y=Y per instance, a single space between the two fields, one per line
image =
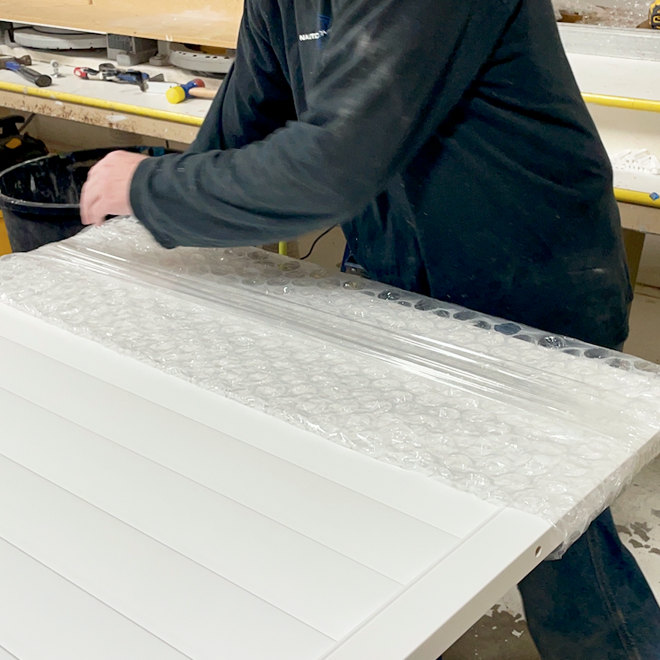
x=39 y=79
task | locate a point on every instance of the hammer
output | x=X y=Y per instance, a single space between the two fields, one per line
x=20 y=65
x=193 y=89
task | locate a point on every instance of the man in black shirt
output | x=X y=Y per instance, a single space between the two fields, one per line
x=450 y=141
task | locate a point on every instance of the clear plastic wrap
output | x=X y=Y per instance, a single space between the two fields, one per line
x=518 y=417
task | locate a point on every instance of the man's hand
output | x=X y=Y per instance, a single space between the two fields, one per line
x=108 y=186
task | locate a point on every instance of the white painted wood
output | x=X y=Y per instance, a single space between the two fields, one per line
x=389 y=542
x=419 y=497
x=45 y=617
x=212 y=530
x=224 y=532
x=5 y=655
x=440 y=606
x=189 y=607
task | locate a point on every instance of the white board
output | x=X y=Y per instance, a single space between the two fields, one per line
x=141 y=516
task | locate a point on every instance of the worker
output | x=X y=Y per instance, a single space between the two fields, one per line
x=451 y=143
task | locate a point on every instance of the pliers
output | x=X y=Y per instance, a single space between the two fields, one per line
x=109 y=73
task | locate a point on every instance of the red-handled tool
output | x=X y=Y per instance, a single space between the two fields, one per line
x=86 y=73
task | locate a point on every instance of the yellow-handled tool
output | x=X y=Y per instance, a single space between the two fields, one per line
x=193 y=89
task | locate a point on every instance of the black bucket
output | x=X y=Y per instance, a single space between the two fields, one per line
x=40 y=199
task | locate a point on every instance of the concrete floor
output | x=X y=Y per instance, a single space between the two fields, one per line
x=502 y=633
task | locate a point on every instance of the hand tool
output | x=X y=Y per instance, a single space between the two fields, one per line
x=26 y=60
x=109 y=73
x=19 y=66
x=86 y=73
x=193 y=89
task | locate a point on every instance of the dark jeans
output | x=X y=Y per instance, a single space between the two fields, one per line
x=594 y=603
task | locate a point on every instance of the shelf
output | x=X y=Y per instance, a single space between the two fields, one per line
x=627 y=43
x=198 y=23
x=631 y=82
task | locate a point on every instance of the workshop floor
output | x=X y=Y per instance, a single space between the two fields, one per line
x=502 y=633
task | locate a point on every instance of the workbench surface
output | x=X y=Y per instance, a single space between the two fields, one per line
x=615 y=76
x=123 y=107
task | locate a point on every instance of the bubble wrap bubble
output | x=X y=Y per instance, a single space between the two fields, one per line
x=518 y=417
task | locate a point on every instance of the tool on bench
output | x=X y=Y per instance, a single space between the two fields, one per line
x=26 y=60
x=110 y=73
x=194 y=89
x=21 y=66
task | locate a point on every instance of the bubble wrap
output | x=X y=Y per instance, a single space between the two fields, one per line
x=515 y=416
x=636 y=160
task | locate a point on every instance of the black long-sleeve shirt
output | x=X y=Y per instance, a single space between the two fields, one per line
x=448 y=138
